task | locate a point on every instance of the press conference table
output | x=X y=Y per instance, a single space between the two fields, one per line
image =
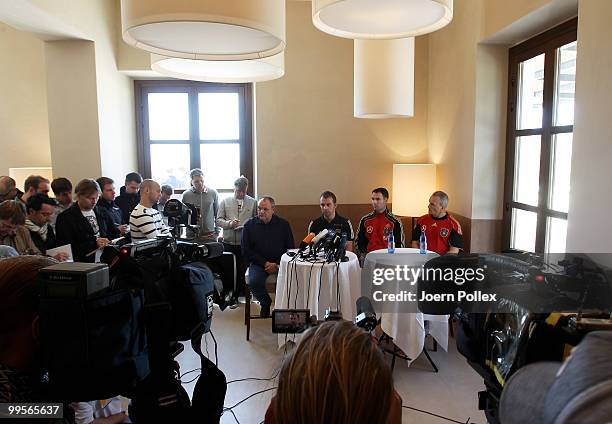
x=408 y=330
x=315 y=286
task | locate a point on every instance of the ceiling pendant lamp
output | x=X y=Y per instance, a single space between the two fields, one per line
x=225 y=71
x=381 y=19
x=384 y=78
x=205 y=29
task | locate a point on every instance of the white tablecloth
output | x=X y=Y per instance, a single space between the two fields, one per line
x=304 y=285
x=409 y=329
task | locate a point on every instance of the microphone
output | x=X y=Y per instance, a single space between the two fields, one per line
x=332 y=247
x=341 y=250
x=366 y=316
x=304 y=244
x=319 y=236
x=324 y=242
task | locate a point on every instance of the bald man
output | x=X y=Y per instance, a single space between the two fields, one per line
x=146 y=221
x=8 y=189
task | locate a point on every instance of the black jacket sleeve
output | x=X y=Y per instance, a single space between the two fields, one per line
x=70 y=232
x=249 y=254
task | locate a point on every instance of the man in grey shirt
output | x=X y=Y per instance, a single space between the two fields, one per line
x=233 y=213
x=205 y=203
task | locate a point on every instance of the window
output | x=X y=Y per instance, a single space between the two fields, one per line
x=542 y=74
x=184 y=125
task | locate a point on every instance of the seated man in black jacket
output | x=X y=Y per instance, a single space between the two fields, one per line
x=265 y=238
x=82 y=225
x=107 y=203
x=40 y=209
x=129 y=196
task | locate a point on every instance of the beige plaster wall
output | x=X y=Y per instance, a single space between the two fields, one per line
x=24 y=136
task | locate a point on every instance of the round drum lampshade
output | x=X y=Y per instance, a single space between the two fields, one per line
x=205 y=29
x=380 y=19
x=230 y=71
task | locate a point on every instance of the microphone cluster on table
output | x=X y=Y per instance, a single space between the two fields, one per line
x=328 y=246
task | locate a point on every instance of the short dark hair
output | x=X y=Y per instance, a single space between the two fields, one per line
x=36 y=201
x=13 y=210
x=133 y=177
x=86 y=186
x=61 y=185
x=33 y=181
x=383 y=191
x=167 y=189
x=103 y=181
x=196 y=172
x=327 y=194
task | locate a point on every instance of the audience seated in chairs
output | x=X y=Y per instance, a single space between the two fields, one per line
x=335 y=375
x=265 y=239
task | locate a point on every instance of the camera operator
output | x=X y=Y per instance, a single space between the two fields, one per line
x=335 y=375
x=21 y=370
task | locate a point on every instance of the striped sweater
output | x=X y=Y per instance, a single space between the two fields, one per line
x=146 y=223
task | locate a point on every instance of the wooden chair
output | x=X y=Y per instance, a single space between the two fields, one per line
x=270 y=288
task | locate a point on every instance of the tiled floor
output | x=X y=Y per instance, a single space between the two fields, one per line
x=452 y=392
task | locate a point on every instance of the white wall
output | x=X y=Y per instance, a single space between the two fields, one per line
x=96 y=22
x=590 y=200
x=24 y=126
x=73 y=109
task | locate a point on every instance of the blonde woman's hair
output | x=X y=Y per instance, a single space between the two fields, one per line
x=335 y=376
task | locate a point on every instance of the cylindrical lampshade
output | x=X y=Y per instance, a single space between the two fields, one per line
x=205 y=29
x=231 y=71
x=384 y=78
x=413 y=185
x=376 y=19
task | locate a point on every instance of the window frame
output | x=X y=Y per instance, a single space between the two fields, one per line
x=245 y=98
x=546 y=43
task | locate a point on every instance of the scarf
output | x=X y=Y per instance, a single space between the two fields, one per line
x=42 y=231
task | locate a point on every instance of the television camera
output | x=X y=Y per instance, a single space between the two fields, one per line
x=546 y=305
x=115 y=328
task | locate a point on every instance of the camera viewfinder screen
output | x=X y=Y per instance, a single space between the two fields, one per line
x=289 y=321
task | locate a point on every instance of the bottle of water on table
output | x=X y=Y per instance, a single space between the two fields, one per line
x=391 y=243
x=423 y=242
